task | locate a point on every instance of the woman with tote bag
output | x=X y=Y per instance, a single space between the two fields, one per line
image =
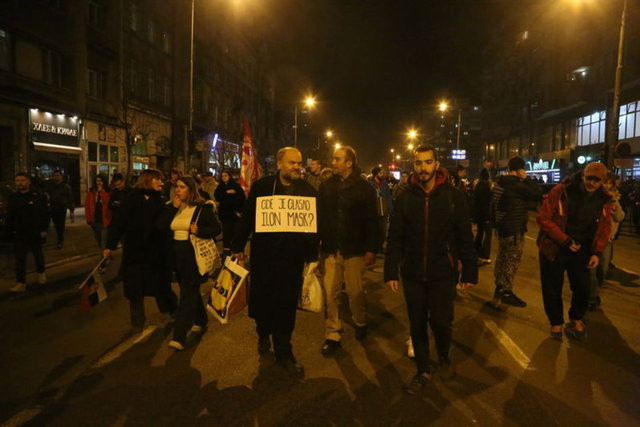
x=188 y=214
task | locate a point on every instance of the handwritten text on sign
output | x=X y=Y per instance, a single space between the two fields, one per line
x=286 y=214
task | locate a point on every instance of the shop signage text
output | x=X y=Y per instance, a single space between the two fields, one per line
x=41 y=127
x=53 y=129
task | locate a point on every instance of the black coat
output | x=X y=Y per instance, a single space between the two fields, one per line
x=429 y=234
x=27 y=214
x=347 y=215
x=277 y=259
x=229 y=204
x=143 y=243
x=511 y=200
x=481 y=202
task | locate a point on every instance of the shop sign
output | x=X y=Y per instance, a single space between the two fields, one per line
x=459 y=154
x=53 y=129
x=542 y=165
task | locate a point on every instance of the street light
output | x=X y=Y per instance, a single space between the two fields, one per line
x=443 y=107
x=412 y=134
x=410 y=147
x=329 y=134
x=309 y=102
x=337 y=145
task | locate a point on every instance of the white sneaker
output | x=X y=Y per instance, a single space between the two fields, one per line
x=410 y=351
x=19 y=287
x=197 y=328
x=42 y=278
x=176 y=345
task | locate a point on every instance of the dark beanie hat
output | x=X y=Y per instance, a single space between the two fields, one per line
x=516 y=163
x=375 y=171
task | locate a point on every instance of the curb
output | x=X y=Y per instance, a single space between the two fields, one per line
x=57 y=263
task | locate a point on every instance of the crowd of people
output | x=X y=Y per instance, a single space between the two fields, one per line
x=422 y=223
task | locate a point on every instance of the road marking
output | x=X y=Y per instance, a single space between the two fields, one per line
x=529 y=237
x=507 y=343
x=123 y=347
x=22 y=417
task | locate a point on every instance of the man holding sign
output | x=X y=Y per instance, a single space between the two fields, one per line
x=280 y=216
x=350 y=238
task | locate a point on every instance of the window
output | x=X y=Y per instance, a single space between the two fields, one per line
x=5 y=51
x=629 y=123
x=134 y=17
x=151 y=82
x=95 y=83
x=592 y=128
x=166 y=92
x=151 y=32
x=166 y=42
x=52 y=67
x=28 y=60
x=96 y=14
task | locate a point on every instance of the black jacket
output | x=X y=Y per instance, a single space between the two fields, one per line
x=229 y=203
x=481 y=202
x=116 y=200
x=60 y=195
x=429 y=233
x=348 y=219
x=277 y=259
x=511 y=199
x=27 y=214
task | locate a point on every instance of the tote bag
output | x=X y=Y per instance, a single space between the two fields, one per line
x=205 y=250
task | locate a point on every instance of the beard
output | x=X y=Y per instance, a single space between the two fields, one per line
x=425 y=177
x=291 y=176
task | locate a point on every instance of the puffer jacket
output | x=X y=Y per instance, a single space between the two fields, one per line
x=512 y=197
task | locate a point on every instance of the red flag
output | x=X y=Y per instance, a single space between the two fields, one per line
x=250 y=171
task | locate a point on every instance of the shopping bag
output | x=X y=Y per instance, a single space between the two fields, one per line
x=311 y=298
x=226 y=287
x=92 y=290
x=205 y=251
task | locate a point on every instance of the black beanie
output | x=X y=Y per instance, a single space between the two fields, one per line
x=516 y=163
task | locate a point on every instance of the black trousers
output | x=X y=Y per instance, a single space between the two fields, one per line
x=228 y=230
x=552 y=278
x=430 y=303
x=58 y=217
x=22 y=246
x=136 y=278
x=191 y=308
x=483 y=240
x=279 y=324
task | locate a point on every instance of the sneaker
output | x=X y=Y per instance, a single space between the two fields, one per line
x=445 y=370
x=509 y=298
x=19 y=287
x=576 y=329
x=556 y=332
x=198 y=328
x=417 y=383
x=176 y=345
x=42 y=278
x=330 y=347
x=410 y=352
x=264 y=345
x=361 y=332
x=497 y=298
x=292 y=367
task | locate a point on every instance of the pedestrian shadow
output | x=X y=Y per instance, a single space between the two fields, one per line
x=625 y=278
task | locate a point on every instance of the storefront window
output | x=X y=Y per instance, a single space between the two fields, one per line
x=629 y=120
x=113 y=155
x=93 y=152
x=104 y=153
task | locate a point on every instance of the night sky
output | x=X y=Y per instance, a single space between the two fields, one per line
x=374 y=63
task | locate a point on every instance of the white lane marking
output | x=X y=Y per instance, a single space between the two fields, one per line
x=123 y=347
x=22 y=417
x=507 y=343
x=530 y=238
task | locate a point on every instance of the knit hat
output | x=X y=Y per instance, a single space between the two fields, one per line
x=596 y=169
x=516 y=163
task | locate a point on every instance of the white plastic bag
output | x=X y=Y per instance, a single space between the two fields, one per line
x=311 y=298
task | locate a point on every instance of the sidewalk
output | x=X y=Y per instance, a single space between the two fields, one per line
x=79 y=244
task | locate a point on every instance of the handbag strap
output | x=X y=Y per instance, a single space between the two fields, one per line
x=199 y=209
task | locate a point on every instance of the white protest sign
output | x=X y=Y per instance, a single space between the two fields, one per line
x=286 y=214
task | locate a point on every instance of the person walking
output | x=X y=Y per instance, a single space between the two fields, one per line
x=60 y=199
x=481 y=216
x=314 y=178
x=384 y=201
x=599 y=274
x=512 y=195
x=96 y=209
x=350 y=237
x=118 y=194
x=27 y=224
x=430 y=233
x=575 y=227
x=188 y=214
x=144 y=262
x=209 y=184
x=277 y=261
x=231 y=199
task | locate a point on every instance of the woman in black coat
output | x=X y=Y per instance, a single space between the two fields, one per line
x=481 y=216
x=231 y=199
x=143 y=261
x=188 y=214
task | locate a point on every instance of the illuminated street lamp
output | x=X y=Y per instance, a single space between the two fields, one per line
x=443 y=107
x=337 y=145
x=410 y=147
x=329 y=134
x=412 y=134
x=309 y=102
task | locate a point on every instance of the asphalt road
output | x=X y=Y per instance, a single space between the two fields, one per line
x=63 y=366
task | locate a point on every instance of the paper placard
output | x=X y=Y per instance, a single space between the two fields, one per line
x=286 y=214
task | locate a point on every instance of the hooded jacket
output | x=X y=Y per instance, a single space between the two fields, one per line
x=430 y=233
x=512 y=197
x=554 y=214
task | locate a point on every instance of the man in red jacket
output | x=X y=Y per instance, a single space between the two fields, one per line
x=575 y=224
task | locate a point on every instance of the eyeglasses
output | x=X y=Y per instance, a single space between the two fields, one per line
x=593 y=178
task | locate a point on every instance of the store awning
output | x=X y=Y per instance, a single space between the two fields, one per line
x=43 y=146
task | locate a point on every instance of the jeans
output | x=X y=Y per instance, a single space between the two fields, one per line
x=191 y=308
x=100 y=234
x=508 y=260
x=350 y=270
x=599 y=273
x=483 y=240
x=552 y=278
x=430 y=303
x=58 y=217
x=22 y=246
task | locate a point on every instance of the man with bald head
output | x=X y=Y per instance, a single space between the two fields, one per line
x=277 y=259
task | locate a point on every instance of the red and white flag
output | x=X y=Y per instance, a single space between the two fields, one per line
x=250 y=171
